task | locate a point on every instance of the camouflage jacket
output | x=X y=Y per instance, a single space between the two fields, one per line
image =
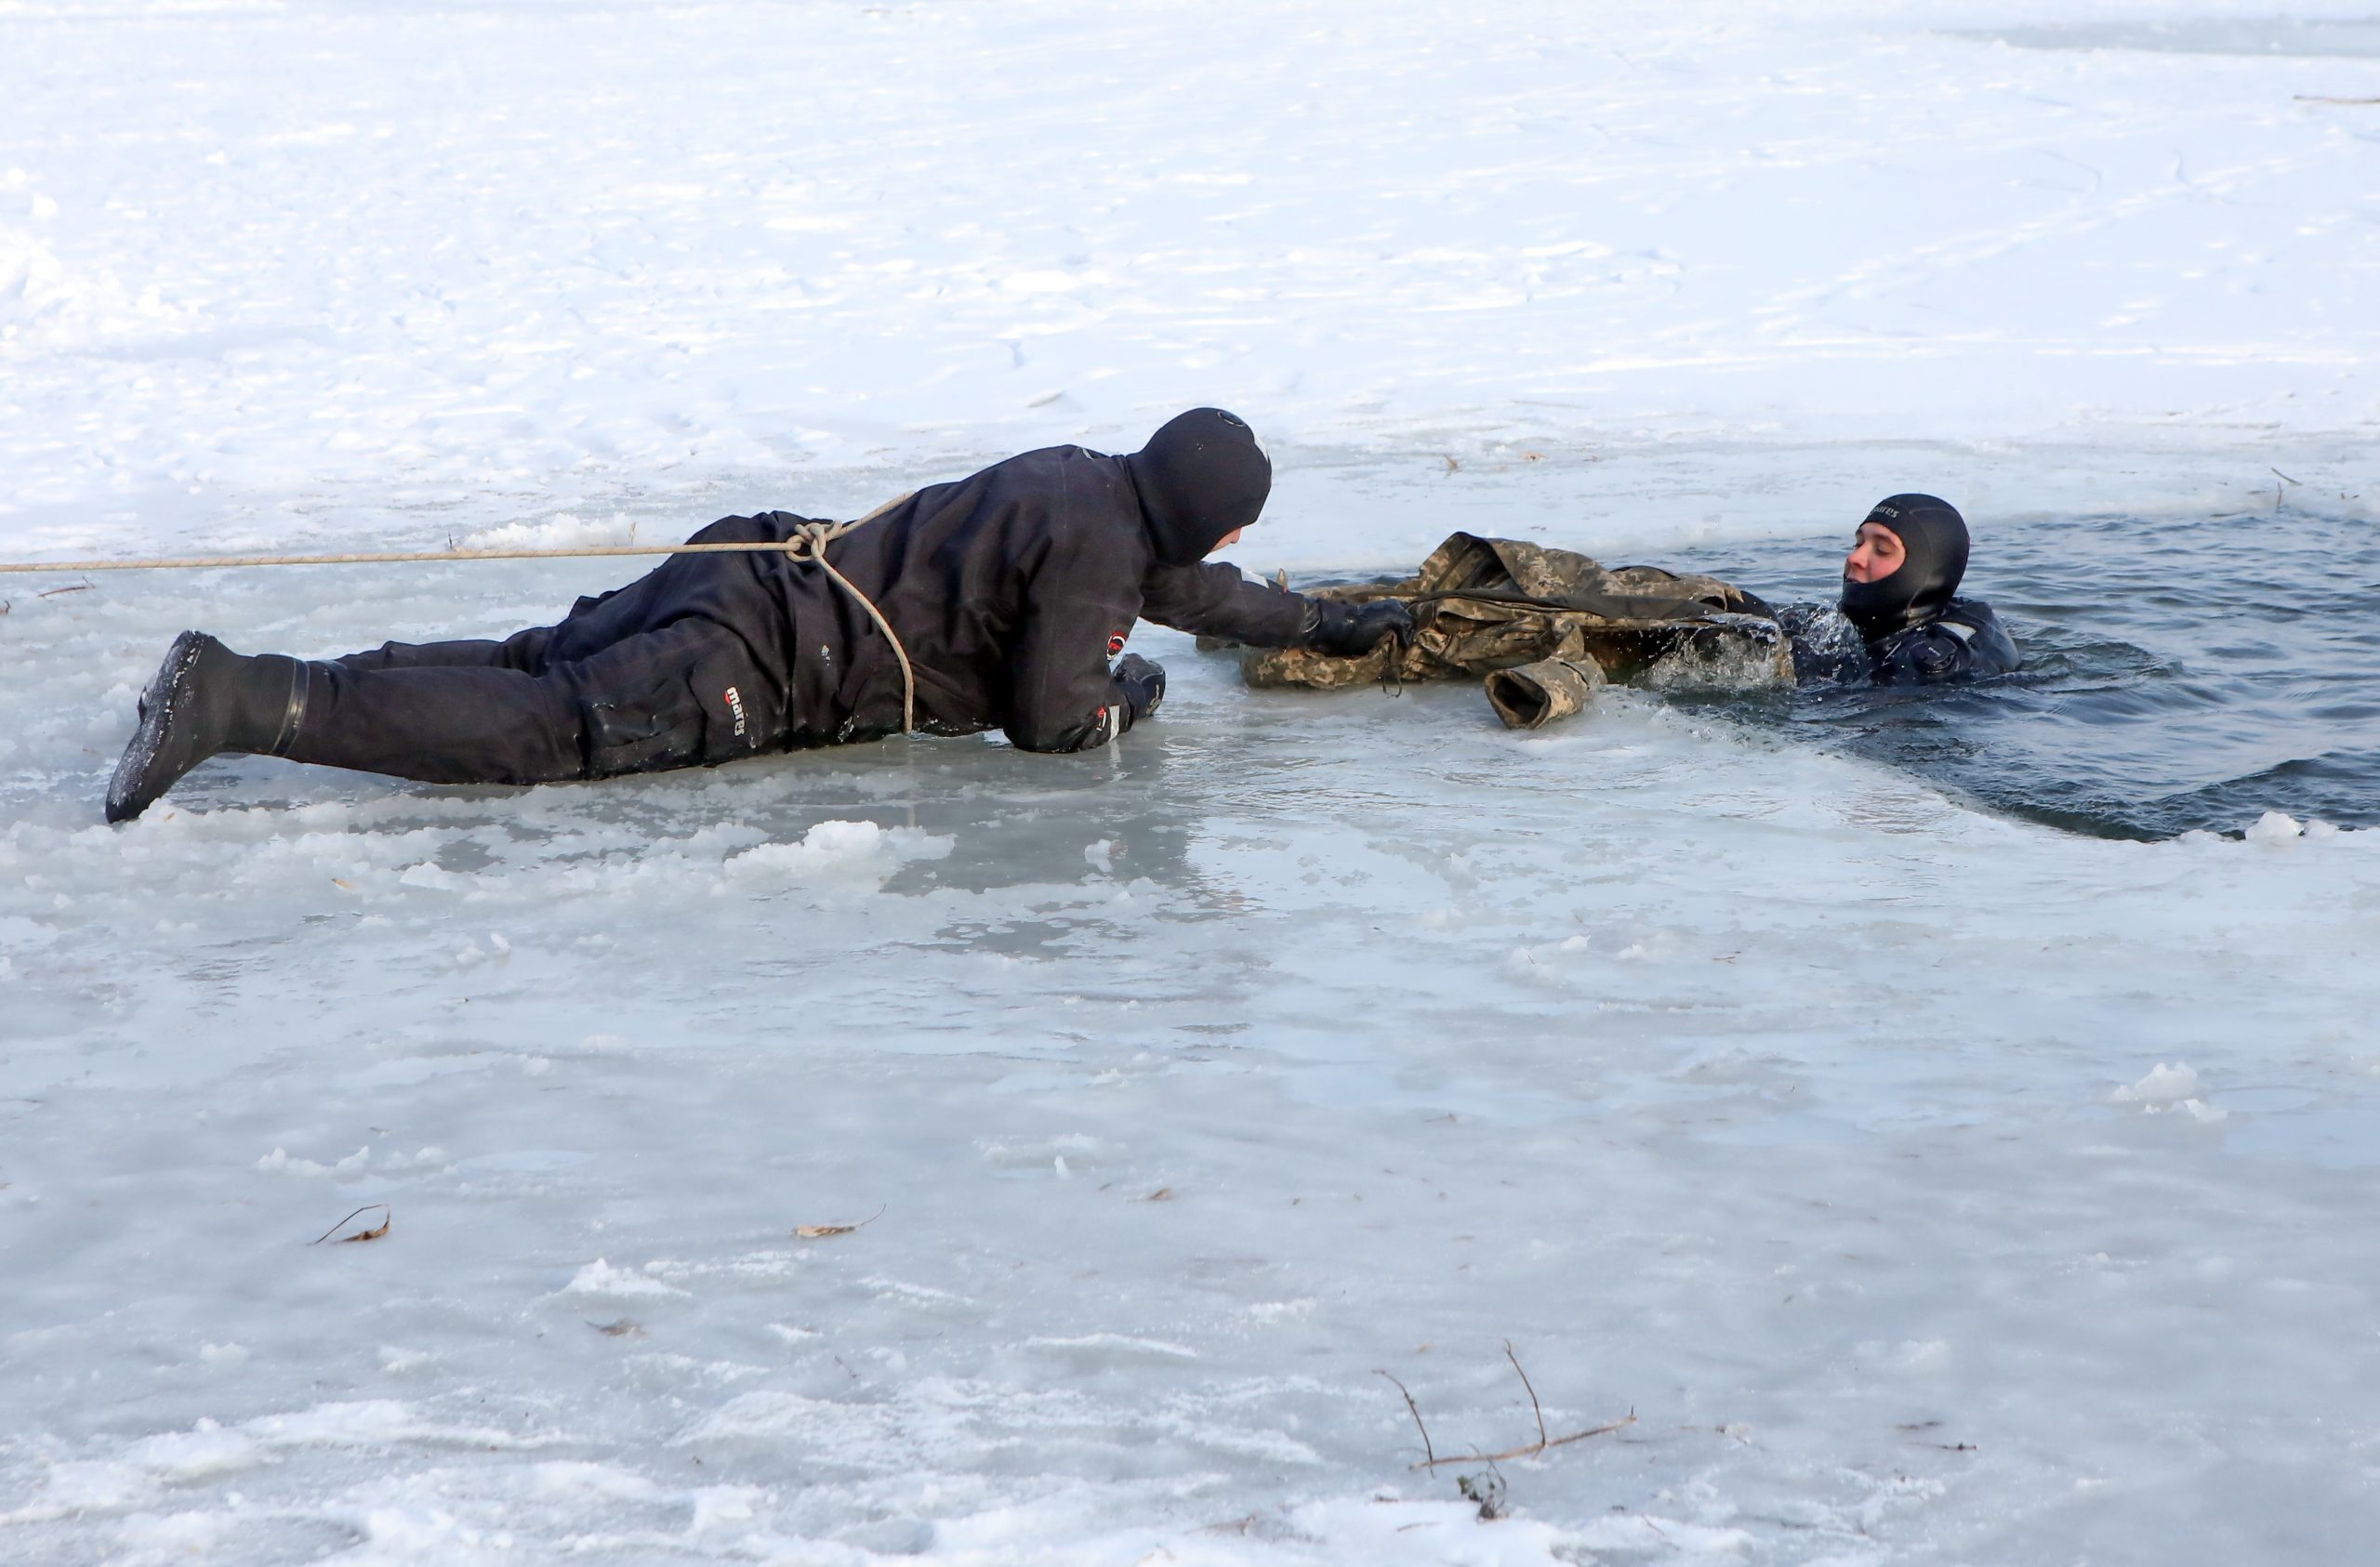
x=1485 y=606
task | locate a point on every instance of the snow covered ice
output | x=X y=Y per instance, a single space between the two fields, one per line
x=1840 y=1130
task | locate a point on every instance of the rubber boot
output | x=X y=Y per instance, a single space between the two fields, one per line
x=204 y=700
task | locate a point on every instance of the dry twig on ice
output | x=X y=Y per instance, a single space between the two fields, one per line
x=820 y=1232
x=387 y=1219
x=1534 y=1448
x=1428 y=1456
x=1430 y=1459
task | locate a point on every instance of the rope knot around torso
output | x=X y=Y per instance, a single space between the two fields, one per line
x=808 y=542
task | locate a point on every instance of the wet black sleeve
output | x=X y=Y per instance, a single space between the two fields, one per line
x=1923 y=655
x=1214 y=600
x=1968 y=646
x=1062 y=696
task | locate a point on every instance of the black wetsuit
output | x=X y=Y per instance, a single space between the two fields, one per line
x=1965 y=641
x=1010 y=590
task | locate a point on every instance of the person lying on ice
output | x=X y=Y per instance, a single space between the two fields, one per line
x=1898 y=587
x=1006 y=594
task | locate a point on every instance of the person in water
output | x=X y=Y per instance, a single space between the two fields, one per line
x=1900 y=592
x=994 y=602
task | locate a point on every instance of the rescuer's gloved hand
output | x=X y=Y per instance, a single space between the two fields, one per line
x=1353 y=630
x=1144 y=684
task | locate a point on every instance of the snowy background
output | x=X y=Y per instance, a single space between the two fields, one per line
x=1933 y=1187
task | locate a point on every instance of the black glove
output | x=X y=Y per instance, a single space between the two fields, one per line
x=1144 y=684
x=1353 y=630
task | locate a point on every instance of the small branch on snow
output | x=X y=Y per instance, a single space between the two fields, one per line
x=1428 y=1456
x=1534 y=1448
x=819 y=1231
x=1430 y=1459
x=386 y=1217
x=1535 y=1408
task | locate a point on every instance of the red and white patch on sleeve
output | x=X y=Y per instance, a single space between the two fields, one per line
x=1115 y=642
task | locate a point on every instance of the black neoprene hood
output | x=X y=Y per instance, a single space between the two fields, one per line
x=1934 y=537
x=1202 y=475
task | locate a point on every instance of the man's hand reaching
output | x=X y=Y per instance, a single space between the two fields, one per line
x=1351 y=630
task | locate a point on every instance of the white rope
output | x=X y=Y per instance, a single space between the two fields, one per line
x=201 y=562
x=808 y=543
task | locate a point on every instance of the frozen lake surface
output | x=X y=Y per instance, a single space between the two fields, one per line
x=1931 y=1184
x=1947 y=1153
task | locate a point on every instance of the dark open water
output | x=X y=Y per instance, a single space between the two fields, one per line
x=2178 y=675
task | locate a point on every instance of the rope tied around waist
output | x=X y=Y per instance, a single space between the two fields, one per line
x=808 y=543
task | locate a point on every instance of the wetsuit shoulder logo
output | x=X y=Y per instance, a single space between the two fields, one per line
x=735 y=706
x=1116 y=640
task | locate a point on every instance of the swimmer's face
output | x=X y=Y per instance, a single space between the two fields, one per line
x=1877 y=553
x=1228 y=539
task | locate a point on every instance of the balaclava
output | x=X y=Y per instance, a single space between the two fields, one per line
x=1935 y=536
x=1200 y=476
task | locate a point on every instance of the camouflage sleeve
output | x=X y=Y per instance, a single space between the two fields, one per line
x=1215 y=599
